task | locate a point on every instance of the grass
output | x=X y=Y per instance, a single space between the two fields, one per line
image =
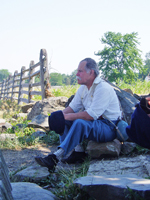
x=66 y=91
x=139 y=87
x=62 y=182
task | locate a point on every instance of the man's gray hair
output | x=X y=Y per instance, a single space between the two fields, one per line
x=91 y=64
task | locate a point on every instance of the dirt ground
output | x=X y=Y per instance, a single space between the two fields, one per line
x=18 y=159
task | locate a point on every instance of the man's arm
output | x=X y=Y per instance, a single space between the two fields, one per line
x=80 y=115
x=68 y=110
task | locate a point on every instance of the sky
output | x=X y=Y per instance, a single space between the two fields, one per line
x=69 y=30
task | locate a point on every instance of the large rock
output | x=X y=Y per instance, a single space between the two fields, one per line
x=5 y=126
x=5 y=136
x=128 y=147
x=95 y=149
x=26 y=107
x=115 y=187
x=40 y=121
x=33 y=173
x=127 y=101
x=2 y=122
x=32 y=191
x=47 y=106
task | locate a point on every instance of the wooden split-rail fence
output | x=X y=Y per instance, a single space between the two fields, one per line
x=14 y=87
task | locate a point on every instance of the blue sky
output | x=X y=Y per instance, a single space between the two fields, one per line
x=69 y=30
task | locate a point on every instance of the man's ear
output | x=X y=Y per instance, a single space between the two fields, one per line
x=92 y=72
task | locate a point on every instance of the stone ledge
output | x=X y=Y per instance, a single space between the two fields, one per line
x=114 y=186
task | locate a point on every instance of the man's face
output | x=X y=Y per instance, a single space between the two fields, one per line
x=82 y=76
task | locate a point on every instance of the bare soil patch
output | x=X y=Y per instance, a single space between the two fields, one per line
x=18 y=159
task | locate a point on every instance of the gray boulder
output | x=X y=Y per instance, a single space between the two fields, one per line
x=127 y=101
x=95 y=149
x=26 y=107
x=33 y=173
x=26 y=191
x=47 y=106
x=40 y=121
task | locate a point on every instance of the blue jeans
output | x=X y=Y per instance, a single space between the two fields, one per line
x=77 y=131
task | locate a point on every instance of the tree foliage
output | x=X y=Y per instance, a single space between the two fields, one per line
x=56 y=79
x=120 y=59
x=147 y=64
x=63 y=79
x=146 y=67
x=73 y=77
x=4 y=73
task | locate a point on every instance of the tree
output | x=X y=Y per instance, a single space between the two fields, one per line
x=146 y=67
x=147 y=64
x=73 y=77
x=120 y=59
x=65 y=79
x=4 y=73
x=55 y=79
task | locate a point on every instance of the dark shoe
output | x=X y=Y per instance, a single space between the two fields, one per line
x=75 y=157
x=49 y=161
x=145 y=106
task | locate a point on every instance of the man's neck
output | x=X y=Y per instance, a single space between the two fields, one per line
x=90 y=84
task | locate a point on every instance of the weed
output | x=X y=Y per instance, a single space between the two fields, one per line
x=28 y=131
x=133 y=195
x=142 y=150
x=63 y=182
x=51 y=138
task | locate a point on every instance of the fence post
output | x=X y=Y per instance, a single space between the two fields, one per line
x=20 y=95
x=44 y=75
x=2 y=89
x=14 y=77
x=8 y=86
x=31 y=80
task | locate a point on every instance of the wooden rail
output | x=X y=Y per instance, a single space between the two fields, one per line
x=14 y=87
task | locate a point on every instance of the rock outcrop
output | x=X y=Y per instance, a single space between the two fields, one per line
x=47 y=106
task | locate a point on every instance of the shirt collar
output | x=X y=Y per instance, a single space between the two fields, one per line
x=97 y=80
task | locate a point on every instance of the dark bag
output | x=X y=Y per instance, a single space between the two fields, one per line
x=139 y=129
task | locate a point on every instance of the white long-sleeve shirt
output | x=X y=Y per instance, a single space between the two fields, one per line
x=98 y=100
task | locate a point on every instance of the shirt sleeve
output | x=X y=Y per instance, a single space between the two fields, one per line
x=76 y=103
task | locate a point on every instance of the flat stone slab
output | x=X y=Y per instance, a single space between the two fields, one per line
x=33 y=173
x=114 y=186
x=26 y=191
x=40 y=121
x=138 y=165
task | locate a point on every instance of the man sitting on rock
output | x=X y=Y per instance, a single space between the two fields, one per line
x=82 y=119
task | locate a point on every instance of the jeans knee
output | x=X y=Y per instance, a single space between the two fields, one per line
x=79 y=122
